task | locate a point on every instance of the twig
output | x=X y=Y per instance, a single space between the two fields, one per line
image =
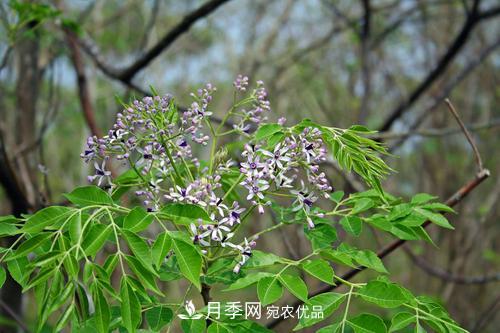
x=491 y=311
x=127 y=74
x=83 y=92
x=14 y=316
x=472 y=20
x=435 y=132
x=447 y=276
x=477 y=156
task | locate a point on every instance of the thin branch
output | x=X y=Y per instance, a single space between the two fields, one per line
x=83 y=91
x=486 y=316
x=127 y=74
x=447 y=276
x=446 y=91
x=452 y=51
x=436 y=132
x=14 y=316
x=477 y=156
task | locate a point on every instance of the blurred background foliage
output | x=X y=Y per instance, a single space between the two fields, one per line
x=337 y=62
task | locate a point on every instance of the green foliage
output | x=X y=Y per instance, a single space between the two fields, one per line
x=103 y=266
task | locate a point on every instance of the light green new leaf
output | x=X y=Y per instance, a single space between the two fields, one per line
x=295 y=285
x=422 y=198
x=248 y=280
x=367 y=323
x=130 y=306
x=89 y=196
x=436 y=218
x=139 y=248
x=327 y=302
x=189 y=261
x=352 y=225
x=158 y=316
x=386 y=295
x=320 y=269
x=137 y=220
x=160 y=248
x=45 y=218
x=269 y=290
x=63 y=320
x=267 y=130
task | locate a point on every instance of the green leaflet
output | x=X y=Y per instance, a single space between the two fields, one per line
x=139 y=248
x=367 y=323
x=46 y=217
x=189 y=260
x=184 y=214
x=328 y=302
x=320 y=269
x=159 y=316
x=352 y=225
x=295 y=285
x=248 y=280
x=89 y=196
x=137 y=219
x=269 y=290
x=130 y=307
x=160 y=248
x=384 y=294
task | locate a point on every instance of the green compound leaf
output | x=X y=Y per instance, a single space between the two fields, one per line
x=139 y=248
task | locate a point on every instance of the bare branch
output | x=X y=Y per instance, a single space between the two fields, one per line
x=447 y=276
x=452 y=51
x=127 y=74
x=477 y=156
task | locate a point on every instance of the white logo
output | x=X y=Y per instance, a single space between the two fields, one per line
x=191 y=312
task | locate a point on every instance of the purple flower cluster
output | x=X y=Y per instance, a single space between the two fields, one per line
x=150 y=138
x=193 y=117
x=259 y=106
x=278 y=169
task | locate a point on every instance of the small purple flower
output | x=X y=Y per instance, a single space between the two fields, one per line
x=101 y=174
